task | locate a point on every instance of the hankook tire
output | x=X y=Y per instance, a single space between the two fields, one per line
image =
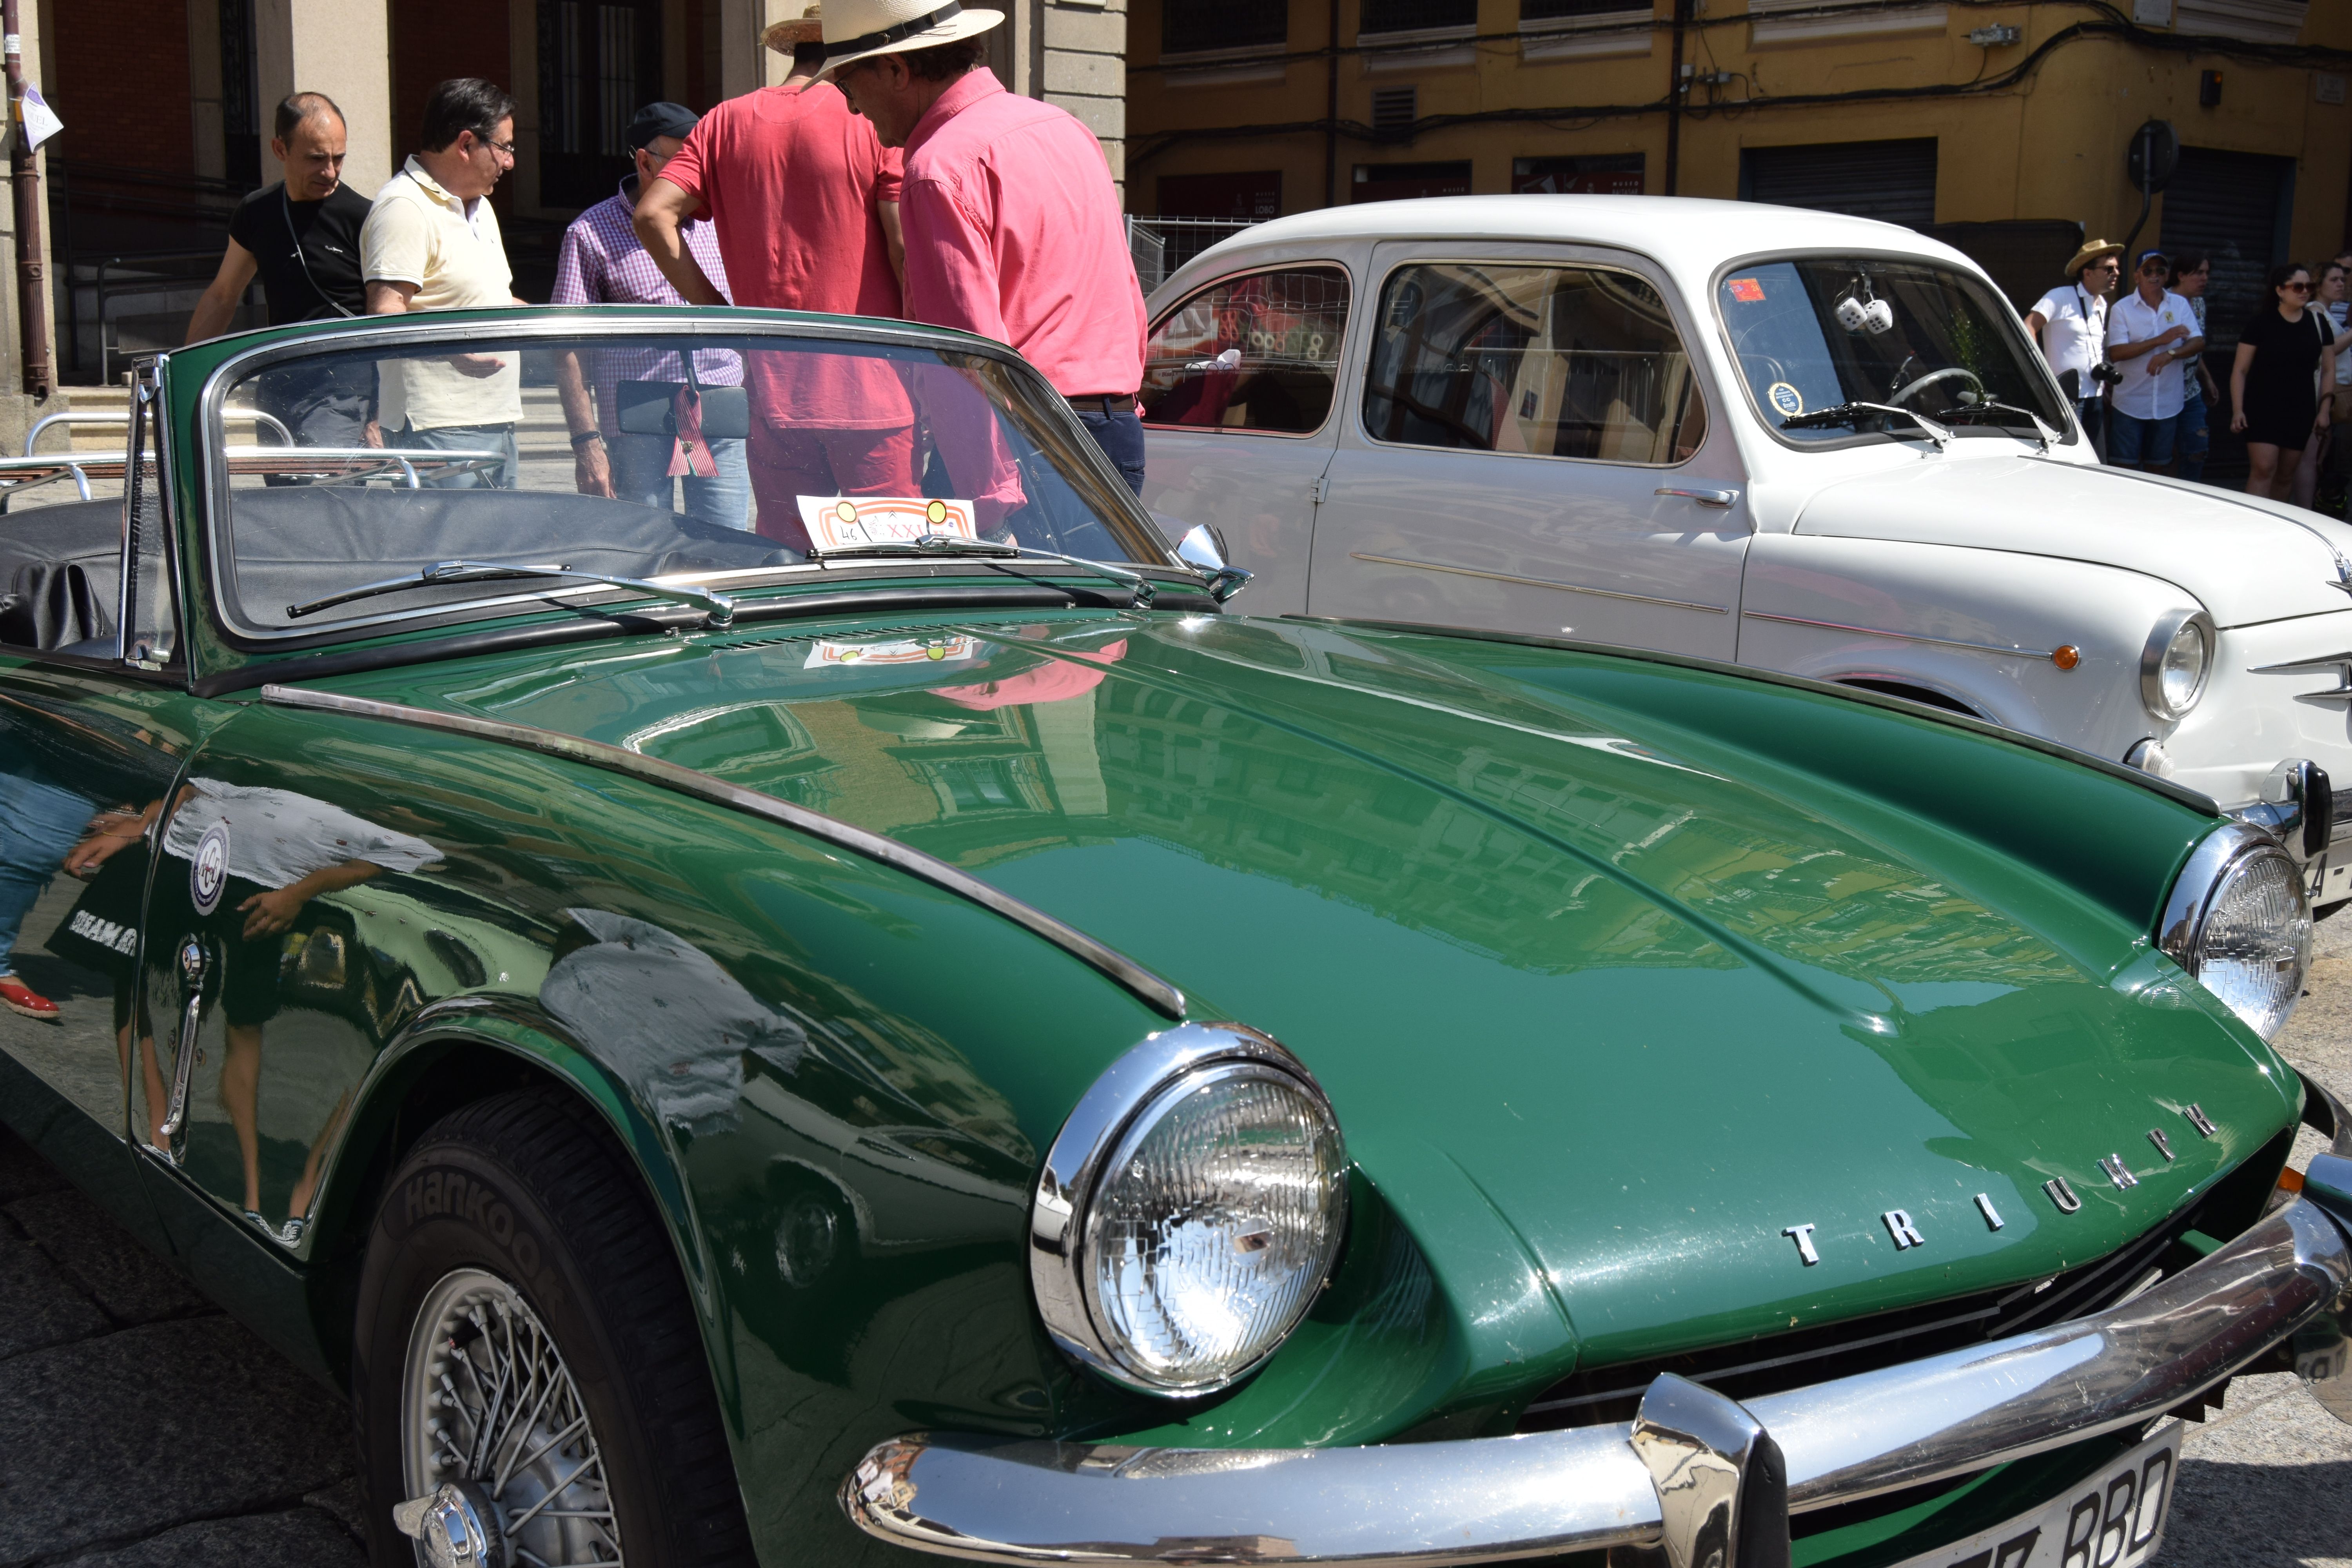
x=514 y=1243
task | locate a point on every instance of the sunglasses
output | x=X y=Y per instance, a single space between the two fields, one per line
x=2296 y=288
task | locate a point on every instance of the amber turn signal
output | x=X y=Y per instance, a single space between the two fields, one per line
x=2066 y=655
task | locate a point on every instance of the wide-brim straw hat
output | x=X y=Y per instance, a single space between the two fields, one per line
x=2092 y=250
x=860 y=30
x=785 y=36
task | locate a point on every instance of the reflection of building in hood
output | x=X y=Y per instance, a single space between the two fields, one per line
x=658 y=1011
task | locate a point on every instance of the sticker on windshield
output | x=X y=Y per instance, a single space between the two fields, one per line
x=1746 y=291
x=833 y=653
x=835 y=521
x=1785 y=398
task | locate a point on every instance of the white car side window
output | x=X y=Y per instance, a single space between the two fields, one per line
x=1258 y=352
x=1559 y=362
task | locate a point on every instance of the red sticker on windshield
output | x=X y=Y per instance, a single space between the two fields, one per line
x=1748 y=291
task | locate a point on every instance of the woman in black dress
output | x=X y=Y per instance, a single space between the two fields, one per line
x=2271 y=384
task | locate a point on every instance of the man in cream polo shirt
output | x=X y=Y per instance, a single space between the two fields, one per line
x=432 y=243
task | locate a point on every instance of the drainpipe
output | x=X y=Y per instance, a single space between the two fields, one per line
x=1330 y=114
x=1674 y=104
x=32 y=281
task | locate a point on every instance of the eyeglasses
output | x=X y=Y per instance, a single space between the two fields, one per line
x=503 y=148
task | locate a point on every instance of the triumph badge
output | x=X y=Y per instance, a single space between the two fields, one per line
x=208 y=870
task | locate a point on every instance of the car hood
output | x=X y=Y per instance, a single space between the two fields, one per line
x=1606 y=1004
x=2245 y=560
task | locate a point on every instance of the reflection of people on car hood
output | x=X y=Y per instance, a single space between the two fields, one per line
x=277 y=837
x=657 y=1010
x=1051 y=680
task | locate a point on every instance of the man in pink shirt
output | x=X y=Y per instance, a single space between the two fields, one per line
x=804 y=202
x=1013 y=226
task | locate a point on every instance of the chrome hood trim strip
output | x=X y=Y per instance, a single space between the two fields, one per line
x=1145 y=987
x=1492 y=1499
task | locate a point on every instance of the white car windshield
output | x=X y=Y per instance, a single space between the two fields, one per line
x=1820 y=338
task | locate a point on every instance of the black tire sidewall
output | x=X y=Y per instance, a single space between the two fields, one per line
x=452 y=1205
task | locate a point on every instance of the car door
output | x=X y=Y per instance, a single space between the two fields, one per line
x=95 y=722
x=1530 y=451
x=1238 y=408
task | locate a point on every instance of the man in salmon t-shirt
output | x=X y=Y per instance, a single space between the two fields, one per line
x=803 y=200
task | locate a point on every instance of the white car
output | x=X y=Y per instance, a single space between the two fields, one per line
x=1783 y=439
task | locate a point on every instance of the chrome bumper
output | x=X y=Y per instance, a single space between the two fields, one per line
x=1693 y=1468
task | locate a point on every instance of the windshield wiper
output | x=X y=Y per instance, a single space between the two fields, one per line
x=955 y=546
x=717 y=608
x=2048 y=437
x=1850 y=414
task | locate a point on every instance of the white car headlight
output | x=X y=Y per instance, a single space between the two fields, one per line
x=2173 y=665
x=1190 y=1211
x=2240 y=921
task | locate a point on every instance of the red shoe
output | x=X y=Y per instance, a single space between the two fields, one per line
x=19 y=997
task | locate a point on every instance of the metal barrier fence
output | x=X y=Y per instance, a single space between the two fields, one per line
x=1161 y=245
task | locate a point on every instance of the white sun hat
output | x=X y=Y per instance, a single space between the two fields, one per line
x=858 y=29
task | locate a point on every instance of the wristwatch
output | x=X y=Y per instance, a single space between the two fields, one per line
x=586 y=436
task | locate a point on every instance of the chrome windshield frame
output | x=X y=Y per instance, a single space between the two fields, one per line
x=2006 y=320
x=539 y=324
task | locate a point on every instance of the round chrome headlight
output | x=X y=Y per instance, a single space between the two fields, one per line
x=2174 y=663
x=1190 y=1211
x=2240 y=921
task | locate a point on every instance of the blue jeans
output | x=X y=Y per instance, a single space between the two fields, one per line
x=2191 y=438
x=464 y=438
x=2136 y=443
x=640 y=465
x=1119 y=432
x=38 y=823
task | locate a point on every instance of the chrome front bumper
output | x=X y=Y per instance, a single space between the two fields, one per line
x=1693 y=1468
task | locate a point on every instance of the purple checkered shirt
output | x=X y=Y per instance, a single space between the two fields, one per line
x=601 y=263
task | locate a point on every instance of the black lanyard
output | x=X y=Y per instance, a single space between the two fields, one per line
x=286 y=205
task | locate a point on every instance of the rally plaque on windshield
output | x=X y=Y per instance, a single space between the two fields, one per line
x=836 y=522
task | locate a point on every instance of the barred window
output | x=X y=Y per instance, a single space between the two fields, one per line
x=1191 y=27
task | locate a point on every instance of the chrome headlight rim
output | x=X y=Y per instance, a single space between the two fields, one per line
x=2160 y=637
x=1181 y=1059
x=2217 y=858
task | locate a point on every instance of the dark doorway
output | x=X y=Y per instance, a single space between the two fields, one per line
x=240 y=97
x=1401 y=182
x=599 y=61
x=1251 y=197
x=2235 y=207
x=1593 y=174
x=1894 y=182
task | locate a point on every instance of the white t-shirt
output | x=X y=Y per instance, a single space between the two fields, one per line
x=277 y=837
x=2152 y=386
x=2340 y=313
x=2077 y=328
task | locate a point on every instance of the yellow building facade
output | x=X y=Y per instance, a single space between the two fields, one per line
x=1931 y=115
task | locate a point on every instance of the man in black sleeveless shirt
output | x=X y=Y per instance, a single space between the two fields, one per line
x=302 y=236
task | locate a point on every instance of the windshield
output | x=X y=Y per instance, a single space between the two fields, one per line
x=1819 y=333
x=684 y=458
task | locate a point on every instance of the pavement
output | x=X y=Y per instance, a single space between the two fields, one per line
x=141 y=1427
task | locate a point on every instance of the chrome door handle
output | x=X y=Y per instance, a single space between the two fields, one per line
x=1703 y=497
x=192 y=975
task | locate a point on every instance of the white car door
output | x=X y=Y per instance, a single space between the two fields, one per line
x=1238 y=383
x=1527 y=451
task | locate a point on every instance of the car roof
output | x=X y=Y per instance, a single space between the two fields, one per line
x=1686 y=233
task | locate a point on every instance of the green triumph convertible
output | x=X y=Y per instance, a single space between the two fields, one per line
x=811 y=991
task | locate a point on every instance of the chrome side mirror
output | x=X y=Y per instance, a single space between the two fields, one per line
x=1202 y=548
x=2298 y=805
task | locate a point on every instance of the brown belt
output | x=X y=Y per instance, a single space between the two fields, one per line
x=1111 y=402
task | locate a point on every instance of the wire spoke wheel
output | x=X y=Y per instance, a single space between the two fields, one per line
x=487 y=1402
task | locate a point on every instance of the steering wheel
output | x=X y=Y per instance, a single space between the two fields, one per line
x=1933 y=376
